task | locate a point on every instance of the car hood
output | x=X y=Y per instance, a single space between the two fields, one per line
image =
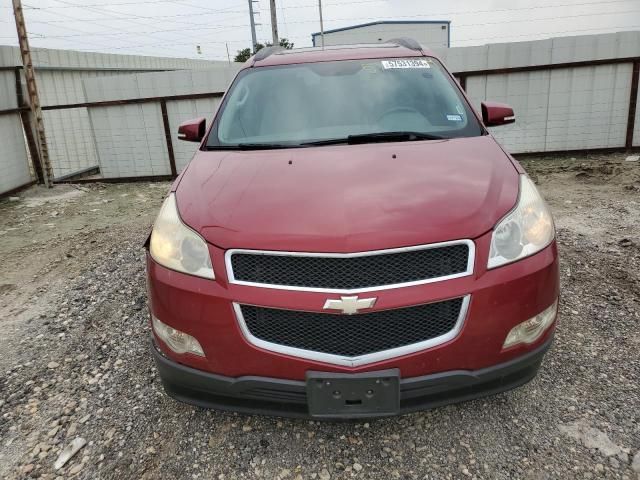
x=348 y=198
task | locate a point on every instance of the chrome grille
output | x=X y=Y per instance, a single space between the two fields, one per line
x=336 y=336
x=351 y=272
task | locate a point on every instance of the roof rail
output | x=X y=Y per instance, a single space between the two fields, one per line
x=406 y=42
x=265 y=52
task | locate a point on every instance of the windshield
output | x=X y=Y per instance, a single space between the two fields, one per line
x=319 y=103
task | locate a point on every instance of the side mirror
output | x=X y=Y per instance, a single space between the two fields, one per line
x=494 y=114
x=192 y=130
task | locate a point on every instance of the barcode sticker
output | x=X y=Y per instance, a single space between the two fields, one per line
x=405 y=63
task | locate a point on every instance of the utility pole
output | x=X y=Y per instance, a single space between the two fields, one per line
x=274 y=24
x=252 y=21
x=321 y=24
x=34 y=101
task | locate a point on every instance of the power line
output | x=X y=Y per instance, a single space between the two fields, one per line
x=100 y=10
x=125 y=16
x=208 y=25
x=159 y=41
x=103 y=4
x=152 y=17
x=216 y=28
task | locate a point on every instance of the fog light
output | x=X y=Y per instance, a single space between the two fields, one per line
x=532 y=329
x=176 y=340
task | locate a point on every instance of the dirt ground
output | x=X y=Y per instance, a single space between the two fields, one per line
x=74 y=361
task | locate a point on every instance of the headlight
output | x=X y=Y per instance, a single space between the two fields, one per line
x=532 y=329
x=176 y=246
x=176 y=340
x=525 y=230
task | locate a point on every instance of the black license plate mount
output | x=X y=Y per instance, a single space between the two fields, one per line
x=369 y=394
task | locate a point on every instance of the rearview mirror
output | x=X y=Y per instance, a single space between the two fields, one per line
x=494 y=114
x=192 y=130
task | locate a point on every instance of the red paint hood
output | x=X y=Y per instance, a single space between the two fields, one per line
x=348 y=198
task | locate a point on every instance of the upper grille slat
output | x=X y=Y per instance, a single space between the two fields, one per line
x=350 y=272
x=352 y=335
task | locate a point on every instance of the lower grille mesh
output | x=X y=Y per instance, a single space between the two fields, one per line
x=352 y=335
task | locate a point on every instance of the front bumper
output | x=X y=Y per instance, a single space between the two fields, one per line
x=272 y=396
x=499 y=299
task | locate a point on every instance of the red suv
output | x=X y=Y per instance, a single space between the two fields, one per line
x=350 y=241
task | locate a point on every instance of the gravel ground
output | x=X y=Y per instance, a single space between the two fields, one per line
x=75 y=363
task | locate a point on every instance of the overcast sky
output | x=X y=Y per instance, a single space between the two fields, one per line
x=175 y=27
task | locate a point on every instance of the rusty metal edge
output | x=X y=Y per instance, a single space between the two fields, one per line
x=13 y=191
x=548 y=66
x=94 y=170
x=131 y=101
x=460 y=74
x=27 y=128
x=148 y=178
x=575 y=151
x=110 y=103
x=633 y=102
x=167 y=137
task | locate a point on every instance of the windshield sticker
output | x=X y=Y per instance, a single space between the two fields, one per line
x=454 y=118
x=370 y=68
x=459 y=109
x=405 y=63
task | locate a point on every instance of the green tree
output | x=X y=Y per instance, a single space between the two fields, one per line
x=244 y=54
x=285 y=43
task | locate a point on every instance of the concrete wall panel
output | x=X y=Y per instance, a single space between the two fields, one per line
x=465 y=59
x=182 y=110
x=114 y=159
x=8 y=98
x=130 y=140
x=596 y=47
x=70 y=140
x=527 y=93
x=13 y=155
x=574 y=108
x=588 y=107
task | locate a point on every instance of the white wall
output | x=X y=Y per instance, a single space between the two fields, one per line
x=182 y=110
x=13 y=155
x=556 y=109
x=434 y=35
x=74 y=60
x=59 y=75
x=561 y=109
x=130 y=139
x=14 y=166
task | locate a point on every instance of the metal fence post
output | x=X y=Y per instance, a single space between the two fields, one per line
x=167 y=136
x=27 y=128
x=633 y=102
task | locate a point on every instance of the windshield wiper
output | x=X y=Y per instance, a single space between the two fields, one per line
x=378 y=137
x=251 y=146
x=351 y=140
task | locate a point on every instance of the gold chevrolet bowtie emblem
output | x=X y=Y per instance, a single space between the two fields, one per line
x=349 y=305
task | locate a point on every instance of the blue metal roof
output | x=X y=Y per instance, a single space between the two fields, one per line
x=386 y=22
x=383 y=22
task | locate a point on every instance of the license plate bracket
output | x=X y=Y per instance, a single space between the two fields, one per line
x=368 y=394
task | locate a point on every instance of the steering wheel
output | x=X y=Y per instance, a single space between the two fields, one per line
x=399 y=110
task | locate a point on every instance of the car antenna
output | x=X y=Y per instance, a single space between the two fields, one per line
x=264 y=53
x=406 y=42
